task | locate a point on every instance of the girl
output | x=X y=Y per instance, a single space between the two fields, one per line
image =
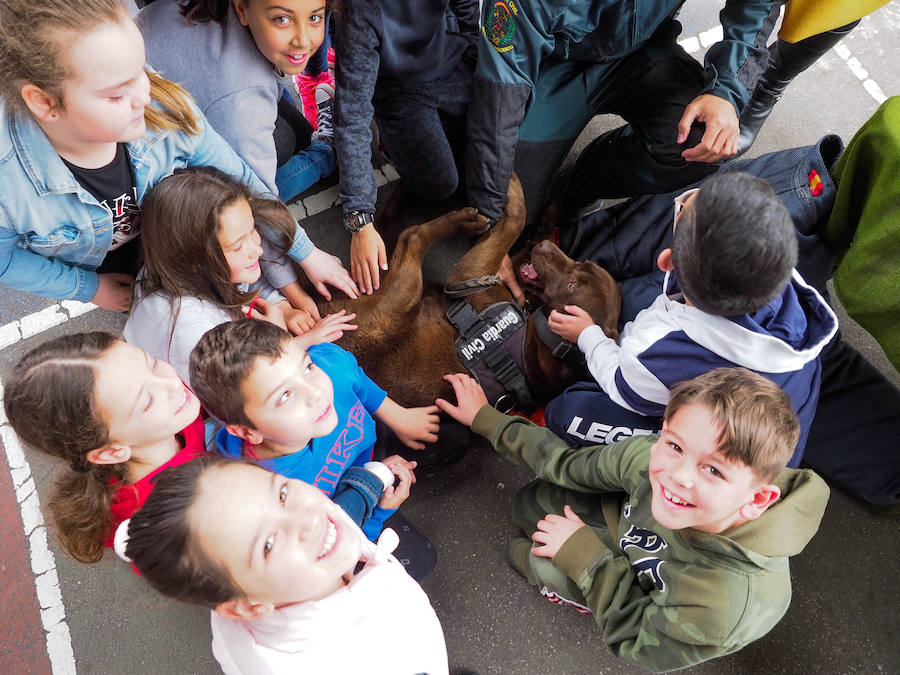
x=416 y=83
x=203 y=253
x=119 y=417
x=275 y=561
x=236 y=60
x=85 y=131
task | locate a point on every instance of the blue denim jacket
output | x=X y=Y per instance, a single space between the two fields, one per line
x=54 y=234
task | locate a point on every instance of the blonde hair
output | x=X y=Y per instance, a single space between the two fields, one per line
x=757 y=423
x=33 y=40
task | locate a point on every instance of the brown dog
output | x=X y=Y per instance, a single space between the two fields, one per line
x=405 y=343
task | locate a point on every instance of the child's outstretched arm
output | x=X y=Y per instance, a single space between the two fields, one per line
x=470 y=398
x=413 y=426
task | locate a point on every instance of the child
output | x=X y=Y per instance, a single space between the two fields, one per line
x=406 y=70
x=86 y=131
x=235 y=58
x=741 y=303
x=275 y=561
x=202 y=249
x=305 y=414
x=115 y=415
x=691 y=563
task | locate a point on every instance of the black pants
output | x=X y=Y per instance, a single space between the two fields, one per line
x=649 y=88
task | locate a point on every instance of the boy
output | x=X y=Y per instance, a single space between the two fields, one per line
x=731 y=297
x=692 y=562
x=305 y=414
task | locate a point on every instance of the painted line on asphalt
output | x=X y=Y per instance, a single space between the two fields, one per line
x=43 y=564
x=714 y=34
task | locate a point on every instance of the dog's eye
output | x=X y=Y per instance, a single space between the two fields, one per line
x=570 y=287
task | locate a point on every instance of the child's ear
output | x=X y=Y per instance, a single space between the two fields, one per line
x=240 y=7
x=664 y=260
x=243 y=608
x=111 y=454
x=40 y=103
x=763 y=498
x=252 y=436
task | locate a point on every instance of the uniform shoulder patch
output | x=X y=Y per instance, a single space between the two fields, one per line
x=500 y=28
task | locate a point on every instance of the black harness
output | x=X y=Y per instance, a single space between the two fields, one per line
x=491 y=345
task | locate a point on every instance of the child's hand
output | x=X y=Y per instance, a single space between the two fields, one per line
x=266 y=311
x=114 y=292
x=395 y=495
x=554 y=530
x=367 y=256
x=297 y=321
x=300 y=299
x=323 y=268
x=469 y=395
x=569 y=326
x=417 y=426
x=329 y=329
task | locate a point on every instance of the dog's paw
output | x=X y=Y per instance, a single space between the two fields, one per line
x=470 y=223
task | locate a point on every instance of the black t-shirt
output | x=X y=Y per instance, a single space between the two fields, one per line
x=115 y=188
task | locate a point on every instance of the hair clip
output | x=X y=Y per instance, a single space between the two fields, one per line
x=120 y=540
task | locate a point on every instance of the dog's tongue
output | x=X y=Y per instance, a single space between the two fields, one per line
x=528 y=272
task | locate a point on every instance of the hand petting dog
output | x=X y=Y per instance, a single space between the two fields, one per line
x=470 y=398
x=569 y=326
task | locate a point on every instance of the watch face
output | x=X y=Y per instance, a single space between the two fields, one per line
x=355 y=220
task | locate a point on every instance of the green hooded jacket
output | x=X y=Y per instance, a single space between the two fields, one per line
x=665 y=599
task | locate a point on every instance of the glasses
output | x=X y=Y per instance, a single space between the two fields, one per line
x=680 y=202
x=683 y=198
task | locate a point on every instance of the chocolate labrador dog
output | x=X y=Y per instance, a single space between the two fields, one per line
x=405 y=342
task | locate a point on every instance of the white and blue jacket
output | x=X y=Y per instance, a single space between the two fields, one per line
x=670 y=342
x=54 y=233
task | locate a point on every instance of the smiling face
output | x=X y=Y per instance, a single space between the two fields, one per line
x=289 y=399
x=240 y=242
x=282 y=540
x=104 y=101
x=286 y=32
x=693 y=484
x=141 y=399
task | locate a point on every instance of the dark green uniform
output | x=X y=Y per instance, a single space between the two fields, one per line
x=664 y=599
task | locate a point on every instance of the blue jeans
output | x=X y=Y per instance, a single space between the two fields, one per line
x=304 y=169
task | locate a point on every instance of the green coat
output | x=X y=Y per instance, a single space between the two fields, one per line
x=665 y=599
x=864 y=228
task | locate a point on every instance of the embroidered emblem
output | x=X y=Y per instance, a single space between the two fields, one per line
x=501 y=28
x=815 y=183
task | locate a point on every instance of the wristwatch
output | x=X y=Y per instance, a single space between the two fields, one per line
x=357 y=220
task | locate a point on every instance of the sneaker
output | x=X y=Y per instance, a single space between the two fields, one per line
x=306 y=88
x=324 y=106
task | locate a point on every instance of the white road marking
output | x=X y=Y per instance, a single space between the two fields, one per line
x=43 y=565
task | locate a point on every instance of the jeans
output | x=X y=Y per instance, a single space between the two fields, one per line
x=304 y=170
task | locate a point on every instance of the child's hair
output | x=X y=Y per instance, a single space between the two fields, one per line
x=180 y=223
x=222 y=360
x=758 y=426
x=33 y=48
x=50 y=402
x=201 y=11
x=734 y=247
x=162 y=546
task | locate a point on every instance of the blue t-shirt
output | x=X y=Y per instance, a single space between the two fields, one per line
x=325 y=459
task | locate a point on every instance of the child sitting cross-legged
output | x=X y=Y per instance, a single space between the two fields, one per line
x=307 y=414
x=276 y=562
x=678 y=544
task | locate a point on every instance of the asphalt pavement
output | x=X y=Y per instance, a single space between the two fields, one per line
x=58 y=615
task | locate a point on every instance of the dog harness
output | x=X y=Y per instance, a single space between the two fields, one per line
x=491 y=346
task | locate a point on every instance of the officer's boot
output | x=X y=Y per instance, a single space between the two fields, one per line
x=786 y=61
